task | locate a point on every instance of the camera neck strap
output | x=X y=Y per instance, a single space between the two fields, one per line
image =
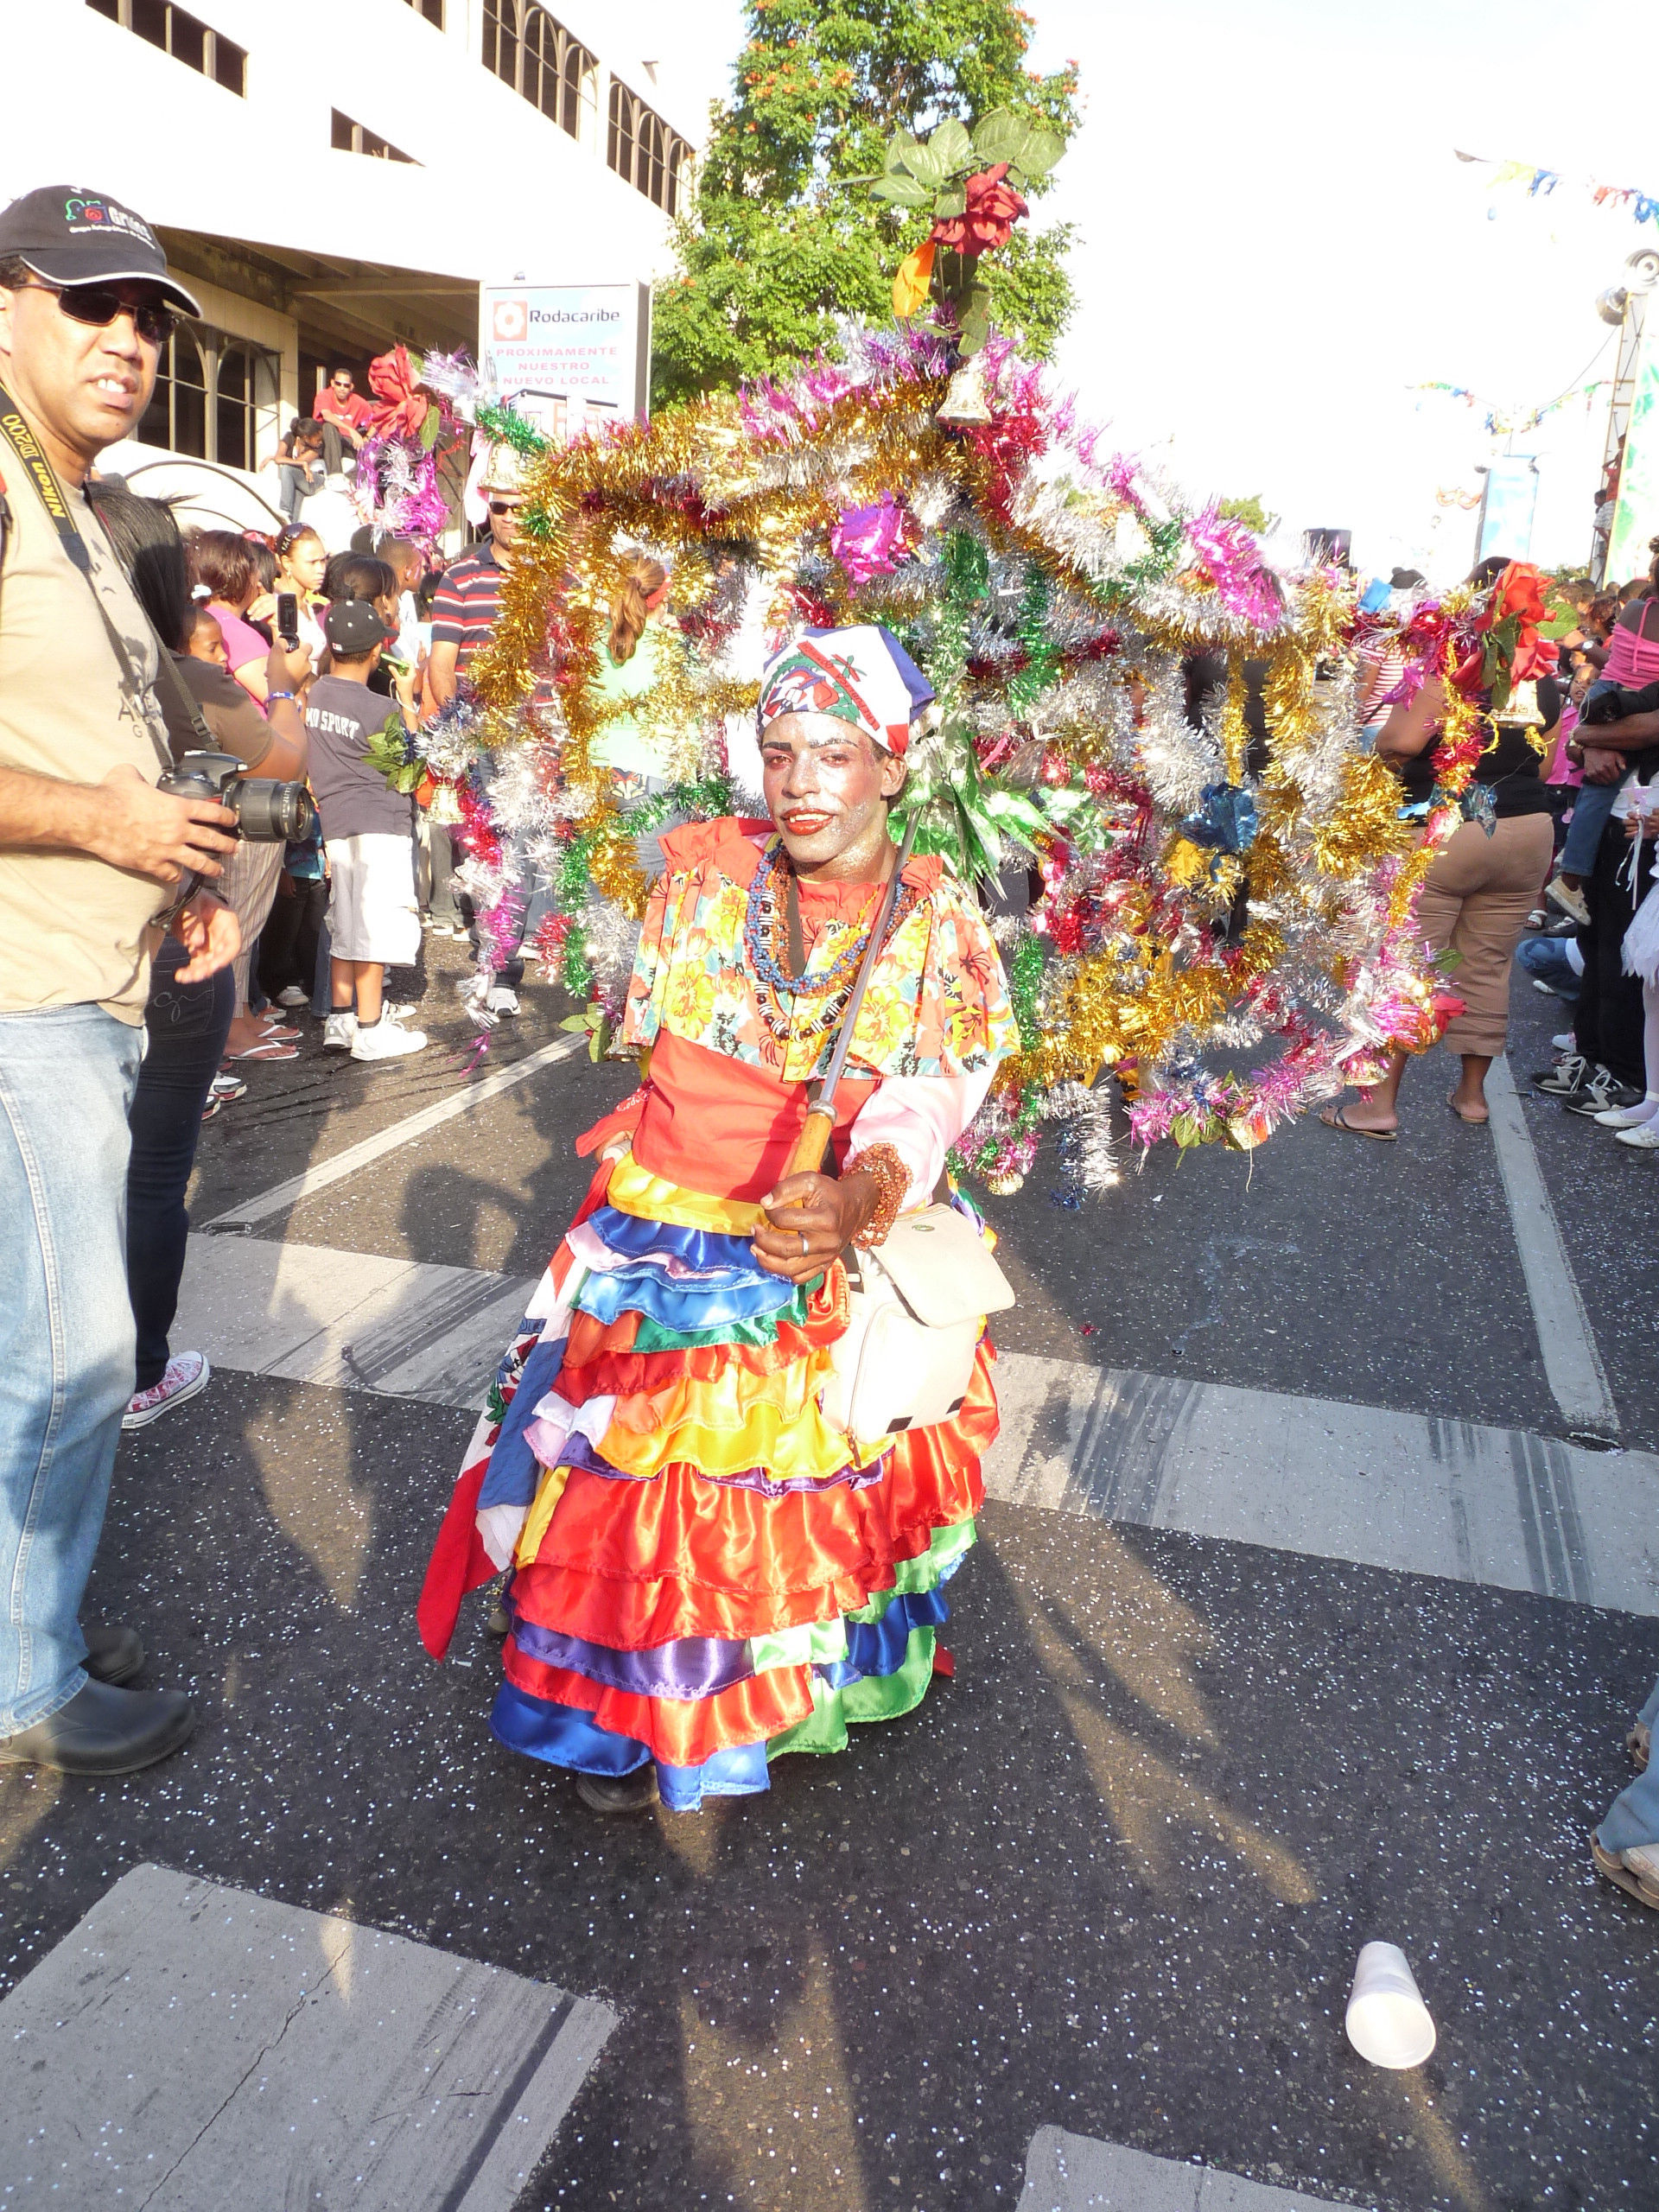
x=27 y=447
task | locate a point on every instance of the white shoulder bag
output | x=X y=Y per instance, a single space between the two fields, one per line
x=920 y=1297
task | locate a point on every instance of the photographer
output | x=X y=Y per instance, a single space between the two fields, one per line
x=91 y=859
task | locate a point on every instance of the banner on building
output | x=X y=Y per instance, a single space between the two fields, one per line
x=564 y=355
x=1636 y=517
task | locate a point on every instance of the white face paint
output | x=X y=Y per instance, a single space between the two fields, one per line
x=827 y=786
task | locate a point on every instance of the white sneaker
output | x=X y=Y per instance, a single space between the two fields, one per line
x=1566 y=1042
x=1570 y=901
x=295 y=996
x=1645 y=1138
x=387 y=1039
x=1626 y=1117
x=339 y=1032
x=502 y=1001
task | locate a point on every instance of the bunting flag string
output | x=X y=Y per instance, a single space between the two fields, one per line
x=1643 y=206
x=1500 y=425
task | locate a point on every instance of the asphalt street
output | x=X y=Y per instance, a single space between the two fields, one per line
x=1114 y=1875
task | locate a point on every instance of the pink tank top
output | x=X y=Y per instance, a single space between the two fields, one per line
x=1632 y=657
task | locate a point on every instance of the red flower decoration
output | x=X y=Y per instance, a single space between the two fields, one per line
x=402 y=409
x=994 y=207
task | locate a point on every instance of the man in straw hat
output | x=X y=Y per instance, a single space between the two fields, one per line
x=708 y=1569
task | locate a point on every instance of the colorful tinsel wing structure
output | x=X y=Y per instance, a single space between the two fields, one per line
x=1143 y=755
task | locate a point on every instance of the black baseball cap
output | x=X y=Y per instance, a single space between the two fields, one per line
x=71 y=236
x=353 y=626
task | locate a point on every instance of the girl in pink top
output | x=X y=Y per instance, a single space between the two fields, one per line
x=1633 y=647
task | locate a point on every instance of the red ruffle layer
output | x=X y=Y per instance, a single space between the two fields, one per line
x=680 y=1732
x=633 y=1564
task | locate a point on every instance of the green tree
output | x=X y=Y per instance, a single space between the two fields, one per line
x=1249 y=511
x=776 y=246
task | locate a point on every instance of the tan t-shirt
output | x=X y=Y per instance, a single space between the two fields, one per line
x=73 y=930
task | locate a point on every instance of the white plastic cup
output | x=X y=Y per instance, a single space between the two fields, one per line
x=1387 y=2022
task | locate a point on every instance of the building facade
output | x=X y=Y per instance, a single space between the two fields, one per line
x=332 y=176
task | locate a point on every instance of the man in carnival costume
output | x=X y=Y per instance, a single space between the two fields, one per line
x=706 y=1573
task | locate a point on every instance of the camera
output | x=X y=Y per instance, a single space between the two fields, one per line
x=267 y=812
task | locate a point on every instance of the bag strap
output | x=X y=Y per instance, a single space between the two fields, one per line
x=27 y=447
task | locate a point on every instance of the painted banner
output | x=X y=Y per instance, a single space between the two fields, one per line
x=1506 y=508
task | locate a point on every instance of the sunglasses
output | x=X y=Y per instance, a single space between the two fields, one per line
x=341 y=383
x=505 y=506
x=99 y=305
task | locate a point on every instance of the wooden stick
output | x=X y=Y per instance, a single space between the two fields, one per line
x=814 y=1140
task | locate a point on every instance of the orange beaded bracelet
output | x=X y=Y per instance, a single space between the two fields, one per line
x=891 y=1179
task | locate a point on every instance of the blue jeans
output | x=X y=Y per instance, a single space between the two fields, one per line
x=1545 y=960
x=1591 y=811
x=1633 y=1816
x=66 y=1075
x=187 y=1025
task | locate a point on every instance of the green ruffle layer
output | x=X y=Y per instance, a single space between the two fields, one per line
x=875 y=1697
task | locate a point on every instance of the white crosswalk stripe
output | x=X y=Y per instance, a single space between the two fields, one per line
x=1366 y=1483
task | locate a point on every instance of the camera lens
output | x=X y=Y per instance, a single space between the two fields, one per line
x=269 y=813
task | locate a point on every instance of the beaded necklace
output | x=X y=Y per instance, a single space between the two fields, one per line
x=764 y=929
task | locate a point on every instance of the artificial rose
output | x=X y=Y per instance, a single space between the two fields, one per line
x=402 y=409
x=994 y=207
x=1518 y=590
x=872 y=540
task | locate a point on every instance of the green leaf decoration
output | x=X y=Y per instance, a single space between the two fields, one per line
x=927 y=166
x=953 y=200
x=903 y=191
x=952 y=145
x=1017 y=177
x=1000 y=136
x=976 y=323
x=899 y=149
x=1041 y=150
x=432 y=426
x=391 y=752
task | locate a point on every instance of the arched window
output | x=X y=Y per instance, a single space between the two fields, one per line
x=644 y=150
x=578 y=93
x=528 y=49
x=501 y=40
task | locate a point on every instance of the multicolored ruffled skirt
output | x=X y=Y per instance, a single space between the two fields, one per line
x=704 y=1572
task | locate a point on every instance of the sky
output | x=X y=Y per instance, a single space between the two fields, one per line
x=1275 y=243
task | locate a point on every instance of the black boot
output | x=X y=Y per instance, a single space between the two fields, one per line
x=113 y=1655
x=104 y=1731
x=620 y=1793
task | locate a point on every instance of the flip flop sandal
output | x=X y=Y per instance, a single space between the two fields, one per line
x=1639 y=1745
x=1334 y=1118
x=276 y=1035
x=1469 y=1120
x=270 y=1050
x=1641 y=1887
